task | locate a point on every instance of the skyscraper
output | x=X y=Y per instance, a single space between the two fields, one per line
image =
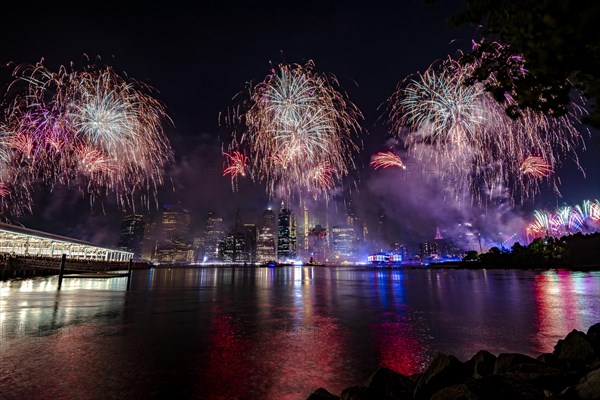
x=343 y=242
x=286 y=234
x=213 y=233
x=318 y=244
x=266 y=245
x=132 y=234
x=174 y=245
x=150 y=239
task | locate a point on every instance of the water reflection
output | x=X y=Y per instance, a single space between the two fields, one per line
x=223 y=333
x=34 y=307
x=565 y=300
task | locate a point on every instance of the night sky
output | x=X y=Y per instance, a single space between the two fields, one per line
x=198 y=55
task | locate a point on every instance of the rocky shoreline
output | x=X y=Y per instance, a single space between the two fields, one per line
x=570 y=372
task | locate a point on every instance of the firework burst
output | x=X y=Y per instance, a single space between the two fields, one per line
x=92 y=128
x=298 y=130
x=386 y=160
x=536 y=167
x=468 y=136
x=565 y=220
x=237 y=163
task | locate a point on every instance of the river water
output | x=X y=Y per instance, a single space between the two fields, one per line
x=279 y=333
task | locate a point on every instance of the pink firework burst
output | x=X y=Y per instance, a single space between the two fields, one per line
x=238 y=163
x=536 y=167
x=386 y=159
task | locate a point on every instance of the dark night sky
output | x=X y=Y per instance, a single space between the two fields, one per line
x=199 y=55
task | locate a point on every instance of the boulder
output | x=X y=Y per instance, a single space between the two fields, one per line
x=363 y=393
x=481 y=364
x=593 y=336
x=503 y=387
x=322 y=394
x=392 y=384
x=547 y=358
x=588 y=388
x=455 y=392
x=443 y=371
x=507 y=362
x=545 y=377
x=574 y=347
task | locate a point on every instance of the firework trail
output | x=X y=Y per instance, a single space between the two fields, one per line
x=386 y=160
x=584 y=218
x=91 y=128
x=299 y=131
x=466 y=133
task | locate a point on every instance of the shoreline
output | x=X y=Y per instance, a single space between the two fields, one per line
x=570 y=372
x=17 y=274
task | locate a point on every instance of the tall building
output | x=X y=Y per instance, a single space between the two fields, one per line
x=150 y=239
x=239 y=246
x=132 y=234
x=428 y=250
x=266 y=244
x=174 y=245
x=318 y=244
x=441 y=244
x=213 y=233
x=250 y=243
x=343 y=242
x=305 y=238
x=286 y=234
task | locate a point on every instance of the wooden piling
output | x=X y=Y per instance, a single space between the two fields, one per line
x=62 y=270
x=129 y=273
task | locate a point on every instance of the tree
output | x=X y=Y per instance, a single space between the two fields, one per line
x=471 y=255
x=558 y=41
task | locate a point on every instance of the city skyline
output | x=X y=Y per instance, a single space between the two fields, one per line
x=199 y=61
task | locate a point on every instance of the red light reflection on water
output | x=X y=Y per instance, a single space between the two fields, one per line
x=559 y=297
x=292 y=359
x=400 y=350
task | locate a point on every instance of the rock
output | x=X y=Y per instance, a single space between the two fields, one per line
x=322 y=394
x=546 y=358
x=545 y=377
x=482 y=364
x=502 y=387
x=392 y=384
x=443 y=371
x=507 y=362
x=593 y=336
x=588 y=388
x=455 y=392
x=363 y=393
x=574 y=347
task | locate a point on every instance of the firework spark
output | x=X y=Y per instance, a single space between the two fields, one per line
x=386 y=160
x=294 y=124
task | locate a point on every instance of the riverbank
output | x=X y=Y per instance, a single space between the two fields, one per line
x=570 y=372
